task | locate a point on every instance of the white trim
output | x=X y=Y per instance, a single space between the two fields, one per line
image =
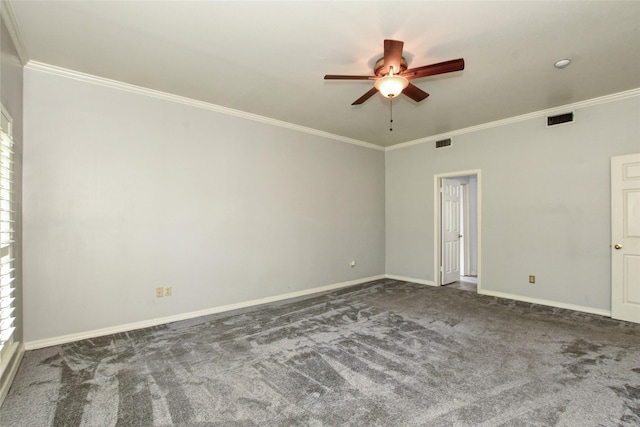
x=410 y=279
x=548 y=303
x=10 y=370
x=9 y=18
x=114 y=84
x=88 y=78
x=436 y=221
x=48 y=342
x=542 y=113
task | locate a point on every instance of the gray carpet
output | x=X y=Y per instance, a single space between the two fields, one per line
x=385 y=353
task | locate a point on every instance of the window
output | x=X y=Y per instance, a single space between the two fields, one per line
x=7 y=245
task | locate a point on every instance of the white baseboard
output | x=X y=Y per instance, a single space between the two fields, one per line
x=504 y=295
x=590 y=310
x=410 y=279
x=10 y=370
x=555 y=304
x=48 y=342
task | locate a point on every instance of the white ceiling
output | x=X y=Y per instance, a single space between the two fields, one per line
x=269 y=58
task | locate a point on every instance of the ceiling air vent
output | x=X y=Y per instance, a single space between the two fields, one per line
x=559 y=119
x=443 y=143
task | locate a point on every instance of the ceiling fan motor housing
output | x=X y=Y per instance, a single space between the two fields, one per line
x=378 y=69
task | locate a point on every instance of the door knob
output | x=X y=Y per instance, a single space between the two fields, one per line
x=617 y=246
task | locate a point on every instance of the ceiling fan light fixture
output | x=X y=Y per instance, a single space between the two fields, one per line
x=391 y=86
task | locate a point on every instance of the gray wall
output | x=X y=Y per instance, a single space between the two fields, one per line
x=124 y=193
x=545 y=203
x=11 y=83
x=472 y=232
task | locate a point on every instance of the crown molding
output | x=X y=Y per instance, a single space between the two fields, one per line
x=561 y=109
x=9 y=19
x=101 y=81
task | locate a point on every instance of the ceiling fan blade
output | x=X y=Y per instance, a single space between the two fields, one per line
x=339 y=77
x=366 y=96
x=415 y=93
x=392 y=56
x=434 y=69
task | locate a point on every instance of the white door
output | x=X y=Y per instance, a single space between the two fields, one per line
x=451 y=191
x=625 y=232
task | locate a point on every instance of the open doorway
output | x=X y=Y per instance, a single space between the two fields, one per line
x=457 y=227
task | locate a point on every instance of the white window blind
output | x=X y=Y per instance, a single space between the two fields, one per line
x=7 y=249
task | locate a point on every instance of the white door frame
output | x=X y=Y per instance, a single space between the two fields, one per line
x=437 y=276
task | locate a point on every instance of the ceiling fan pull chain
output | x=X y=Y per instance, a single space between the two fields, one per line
x=390 y=114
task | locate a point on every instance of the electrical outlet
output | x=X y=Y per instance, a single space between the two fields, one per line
x=167 y=291
x=159 y=292
x=532 y=279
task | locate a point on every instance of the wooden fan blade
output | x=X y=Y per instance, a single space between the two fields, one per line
x=366 y=96
x=392 y=56
x=415 y=93
x=339 y=77
x=434 y=69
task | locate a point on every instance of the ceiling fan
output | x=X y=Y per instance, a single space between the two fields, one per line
x=391 y=76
